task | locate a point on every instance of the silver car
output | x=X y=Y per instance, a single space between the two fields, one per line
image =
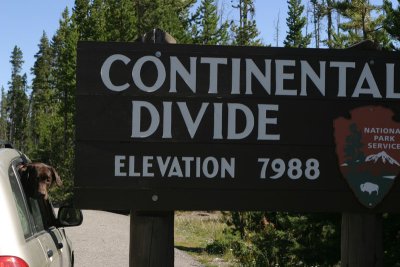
x=25 y=241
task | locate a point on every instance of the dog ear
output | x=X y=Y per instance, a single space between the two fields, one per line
x=22 y=169
x=56 y=177
x=29 y=184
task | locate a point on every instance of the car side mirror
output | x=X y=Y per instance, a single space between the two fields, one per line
x=69 y=216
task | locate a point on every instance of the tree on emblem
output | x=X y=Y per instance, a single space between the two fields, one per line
x=352 y=150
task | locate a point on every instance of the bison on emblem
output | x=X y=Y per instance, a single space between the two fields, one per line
x=369 y=187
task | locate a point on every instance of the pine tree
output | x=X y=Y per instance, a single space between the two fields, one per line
x=43 y=104
x=17 y=101
x=81 y=13
x=94 y=19
x=64 y=48
x=277 y=31
x=121 y=20
x=246 y=33
x=317 y=17
x=206 y=28
x=64 y=82
x=360 y=23
x=295 y=23
x=89 y=17
x=327 y=10
x=168 y=15
x=322 y=9
x=3 y=115
x=391 y=23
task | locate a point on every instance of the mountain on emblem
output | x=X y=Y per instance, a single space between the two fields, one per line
x=383 y=156
x=367 y=146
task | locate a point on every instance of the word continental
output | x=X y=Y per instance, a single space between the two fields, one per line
x=274 y=76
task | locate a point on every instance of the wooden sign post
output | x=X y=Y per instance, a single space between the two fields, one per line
x=361 y=233
x=361 y=240
x=151 y=241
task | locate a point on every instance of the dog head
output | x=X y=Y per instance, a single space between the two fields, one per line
x=37 y=178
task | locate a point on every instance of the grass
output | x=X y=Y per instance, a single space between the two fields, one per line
x=195 y=230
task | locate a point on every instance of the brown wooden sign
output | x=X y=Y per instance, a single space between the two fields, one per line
x=169 y=127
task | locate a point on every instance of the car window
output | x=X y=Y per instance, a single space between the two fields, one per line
x=22 y=209
x=40 y=210
x=36 y=214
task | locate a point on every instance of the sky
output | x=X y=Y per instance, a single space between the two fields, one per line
x=23 y=23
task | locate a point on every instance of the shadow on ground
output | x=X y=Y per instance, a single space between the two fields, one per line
x=189 y=249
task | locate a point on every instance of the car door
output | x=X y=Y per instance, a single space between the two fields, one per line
x=62 y=244
x=43 y=228
x=48 y=242
x=59 y=238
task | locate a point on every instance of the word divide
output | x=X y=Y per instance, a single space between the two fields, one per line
x=230 y=121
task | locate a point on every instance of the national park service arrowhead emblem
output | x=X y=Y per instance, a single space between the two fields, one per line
x=368 y=150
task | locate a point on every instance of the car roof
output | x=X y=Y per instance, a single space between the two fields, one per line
x=7 y=155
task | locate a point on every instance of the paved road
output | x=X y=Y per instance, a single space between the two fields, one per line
x=103 y=240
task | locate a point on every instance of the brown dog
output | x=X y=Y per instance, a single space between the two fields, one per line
x=37 y=178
